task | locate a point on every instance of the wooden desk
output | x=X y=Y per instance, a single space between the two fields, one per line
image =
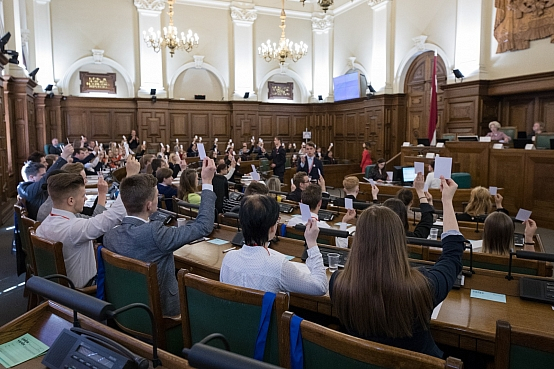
x=463 y=321
x=47 y=320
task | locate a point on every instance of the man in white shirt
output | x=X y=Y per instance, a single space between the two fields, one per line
x=312 y=196
x=431 y=181
x=67 y=191
x=256 y=266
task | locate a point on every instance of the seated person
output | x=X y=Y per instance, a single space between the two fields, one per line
x=174 y=164
x=431 y=181
x=378 y=173
x=300 y=182
x=156 y=164
x=312 y=196
x=480 y=204
x=166 y=187
x=68 y=197
x=188 y=185
x=55 y=147
x=35 y=176
x=144 y=161
x=151 y=241
x=423 y=228
x=351 y=186
x=495 y=133
x=538 y=127
x=38 y=157
x=99 y=205
x=257 y=266
x=227 y=171
x=379 y=297
x=254 y=188
x=51 y=159
x=89 y=160
x=498 y=234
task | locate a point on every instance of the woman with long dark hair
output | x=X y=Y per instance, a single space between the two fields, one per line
x=381 y=298
x=498 y=234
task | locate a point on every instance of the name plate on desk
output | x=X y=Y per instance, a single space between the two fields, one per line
x=485 y=139
x=498 y=146
x=440 y=144
x=405 y=144
x=430 y=155
x=529 y=147
x=491 y=296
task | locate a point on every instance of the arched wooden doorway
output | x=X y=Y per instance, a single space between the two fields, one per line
x=417 y=87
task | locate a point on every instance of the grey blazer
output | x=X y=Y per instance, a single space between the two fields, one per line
x=154 y=242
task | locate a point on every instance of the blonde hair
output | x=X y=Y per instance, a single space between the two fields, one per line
x=479 y=202
x=350 y=183
x=495 y=124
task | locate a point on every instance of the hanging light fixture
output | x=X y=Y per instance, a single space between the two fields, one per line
x=325 y=4
x=170 y=38
x=285 y=49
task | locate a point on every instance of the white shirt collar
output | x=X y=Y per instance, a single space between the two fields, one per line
x=132 y=216
x=63 y=213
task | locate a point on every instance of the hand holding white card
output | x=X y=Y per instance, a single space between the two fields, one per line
x=201 y=150
x=372 y=182
x=255 y=174
x=523 y=215
x=348 y=203
x=443 y=167
x=305 y=211
x=493 y=190
x=419 y=167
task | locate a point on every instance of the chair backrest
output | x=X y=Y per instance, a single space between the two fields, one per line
x=449 y=136
x=130 y=281
x=326 y=348
x=25 y=227
x=209 y=306
x=368 y=170
x=510 y=131
x=221 y=189
x=46 y=149
x=542 y=140
x=119 y=174
x=462 y=179
x=264 y=165
x=48 y=257
x=516 y=348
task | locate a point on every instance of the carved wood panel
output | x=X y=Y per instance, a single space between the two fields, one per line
x=200 y=125
x=546 y=114
x=265 y=126
x=124 y=122
x=518 y=112
x=179 y=125
x=538 y=177
x=282 y=128
x=502 y=166
x=100 y=126
x=221 y=126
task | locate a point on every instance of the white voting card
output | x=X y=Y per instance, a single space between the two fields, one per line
x=255 y=174
x=419 y=167
x=493 y=190
x=523 y=215
x=443 y=167
x=305 y=211
x=348 y=203
x=201 y=150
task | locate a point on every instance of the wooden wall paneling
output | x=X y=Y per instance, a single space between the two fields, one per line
x=374 y=131
x=221 y=126
x=244 y=120
x=153 y=123
x=4 y=173
x=503 y=164
x=40 y=121
x=265 y=126
x=538 y=179
x=518 y=112
x=54 y=126
x=75 y=123
x=100 y=126
x=12 y=177
x=122 y=123
x=545 y=114
x=179 y=127
x=473 y=158
x=31 y=120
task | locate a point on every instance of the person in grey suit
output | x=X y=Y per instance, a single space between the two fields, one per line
x=151 y=241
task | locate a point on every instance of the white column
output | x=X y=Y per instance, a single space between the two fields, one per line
x=151 y=67
x=382 y=60
x=243 y=44
x=468 y=39
x=322 y=59
x=43 y=55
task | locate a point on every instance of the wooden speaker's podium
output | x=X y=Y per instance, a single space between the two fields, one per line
x=46 y=322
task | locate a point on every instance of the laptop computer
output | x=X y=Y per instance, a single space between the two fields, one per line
x=519 y=143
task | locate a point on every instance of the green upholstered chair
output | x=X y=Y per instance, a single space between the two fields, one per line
x=46 y=148
x=449 y=136
x=49 y=260
x=516 y=348
x=462 y=179
x=130 y=281
x=326 y=348
x=288 y=161
x=542 y=140
x=209 y=306
x=368 y=170
x=509 y=131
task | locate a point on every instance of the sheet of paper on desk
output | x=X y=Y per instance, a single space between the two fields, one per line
x=20 y=350
x=443 y=167
x=484 y=295
x=218 y=241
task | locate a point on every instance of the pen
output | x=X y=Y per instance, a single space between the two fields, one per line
x=198 y=240
x=229 y=249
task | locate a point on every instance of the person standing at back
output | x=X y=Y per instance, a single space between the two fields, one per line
x=278 y=155
x=366 y=156
x=309 y=163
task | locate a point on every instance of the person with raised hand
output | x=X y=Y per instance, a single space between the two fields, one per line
x=397 y=300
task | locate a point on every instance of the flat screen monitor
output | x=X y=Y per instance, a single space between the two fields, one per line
x=408 y=174
x=347 y=86
x=397 y=173
x=468 y=138
x=423 y=141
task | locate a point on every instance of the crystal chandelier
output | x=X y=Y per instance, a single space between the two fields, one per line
x=325 y=4
x=170 y=36
x=285 y=49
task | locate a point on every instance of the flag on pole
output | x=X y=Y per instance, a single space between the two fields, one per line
x=433 y=111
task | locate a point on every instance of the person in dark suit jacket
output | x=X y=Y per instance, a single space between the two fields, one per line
x=166 y=187
x=351 y=187
x=82 y=156
x=55 y=148
x=309 y=163
x=151 y=241
x=278 y=155
x=300 y=182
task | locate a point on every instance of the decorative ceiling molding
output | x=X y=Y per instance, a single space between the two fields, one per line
x=419 y=42
x=156 y=5
x=243 y=15
x=98 y=56
x=374 y=3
